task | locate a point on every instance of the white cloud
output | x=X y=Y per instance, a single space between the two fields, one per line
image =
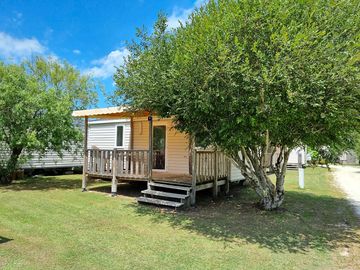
x=178 y=15
x=181 y=14
x=12 y=48
x=17 y=18
x=105 y=67
x=76 y=51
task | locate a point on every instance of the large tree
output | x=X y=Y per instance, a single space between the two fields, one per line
x=253 y=78
x=36 y=102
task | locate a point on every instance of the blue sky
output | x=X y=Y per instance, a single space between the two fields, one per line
x=89 y=34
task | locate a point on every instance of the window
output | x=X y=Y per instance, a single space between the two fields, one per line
x=159 y=147
x=119 y=135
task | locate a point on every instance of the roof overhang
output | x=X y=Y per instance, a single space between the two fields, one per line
x=110 y=113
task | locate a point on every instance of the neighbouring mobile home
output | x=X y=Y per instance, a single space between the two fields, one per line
x=50 y=161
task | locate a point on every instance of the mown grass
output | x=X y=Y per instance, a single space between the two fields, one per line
x=47 y=223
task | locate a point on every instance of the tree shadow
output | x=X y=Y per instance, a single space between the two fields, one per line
x=4 y=240
x=44 y=183
x=128 y=189
x=308 y=222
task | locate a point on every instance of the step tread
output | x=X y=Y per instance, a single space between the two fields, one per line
x=165 y=194
x=159 y=202
x=170 y=186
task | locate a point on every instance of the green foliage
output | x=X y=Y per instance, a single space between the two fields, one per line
x=324 y=155
x=357 y=146
x=245 y=74
x=287 y=67
x=64 y=80
x=36 y=102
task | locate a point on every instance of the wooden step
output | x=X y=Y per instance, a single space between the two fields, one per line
x=152 y=184
x=165 y=194
x=160 y=202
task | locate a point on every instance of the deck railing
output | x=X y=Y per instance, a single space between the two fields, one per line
x=127 y=163
x=211 y=165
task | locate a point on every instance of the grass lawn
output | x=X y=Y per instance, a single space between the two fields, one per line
x=47 y=223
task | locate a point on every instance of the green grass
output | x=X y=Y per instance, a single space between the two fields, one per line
x=47 y=223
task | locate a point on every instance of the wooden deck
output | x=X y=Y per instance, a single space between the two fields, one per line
x=134 y=165
x=157 y=176
x=181 y=179
x=210 y=169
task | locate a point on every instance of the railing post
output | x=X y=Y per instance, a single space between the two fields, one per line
x=150 y=159
x=101 y=161
x=193 y=174
x=114 y=181
x=84 y=178
x=228 y=176
x=215 y=185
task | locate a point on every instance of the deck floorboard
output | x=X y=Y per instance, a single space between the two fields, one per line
x=164 y=177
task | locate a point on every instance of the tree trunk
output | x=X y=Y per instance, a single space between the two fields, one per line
x=8 y=173
x=251 y=165
x=271 y=196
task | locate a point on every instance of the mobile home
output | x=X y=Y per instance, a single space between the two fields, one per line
x=165 y=158
x=50 y=161
x=120 y=146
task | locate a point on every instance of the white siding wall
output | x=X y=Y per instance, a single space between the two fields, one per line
x=52 y=160
x=349 y=157
x=293 y=157
x=235 y=173
x=102 y=134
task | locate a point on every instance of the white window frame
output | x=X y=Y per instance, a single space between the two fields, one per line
x=123 y=133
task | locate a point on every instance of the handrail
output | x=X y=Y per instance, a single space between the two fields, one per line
x=129 y=163
x=210 y=165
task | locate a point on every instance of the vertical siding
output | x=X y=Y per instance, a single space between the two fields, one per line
x=178 y=150
x=141 y=133
x=102 y=134
x=177 y=143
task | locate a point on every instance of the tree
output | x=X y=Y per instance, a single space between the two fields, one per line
x=357 y=146
x=253 y=78
x=36 y=102
x=325 y=155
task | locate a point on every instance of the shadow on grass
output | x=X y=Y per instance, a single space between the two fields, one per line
x=45 y=183
x=4 y=240
x=309 y=222
x=128 y=189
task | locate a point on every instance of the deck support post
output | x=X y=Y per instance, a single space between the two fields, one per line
x=84 y=178
x=114 y=181
x=215 y=184
x=193 y=173
x=228 y=177
x=150 y=159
